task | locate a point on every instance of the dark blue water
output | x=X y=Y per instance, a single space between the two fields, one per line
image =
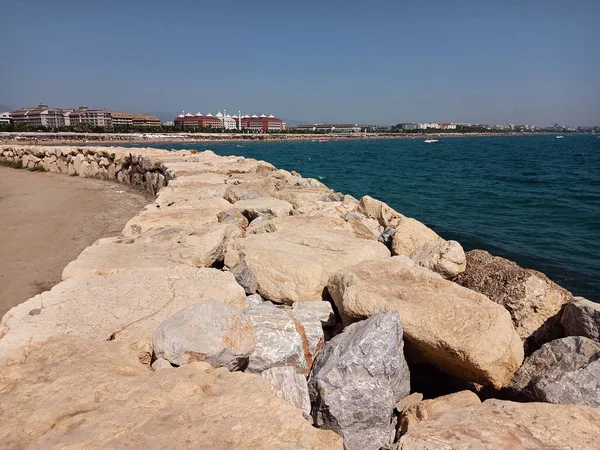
x=532 y=199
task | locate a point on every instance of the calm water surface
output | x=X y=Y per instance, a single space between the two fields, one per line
x=532 y=199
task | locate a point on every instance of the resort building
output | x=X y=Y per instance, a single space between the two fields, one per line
x=5 y=118
x=141 y=120
x=429 y=125
x=331 y=127
x=447 y=126
x=199 y=120
x=91 y=117
x=41 y=116
x=122 y=119
x=262 y=123
x=408 y=126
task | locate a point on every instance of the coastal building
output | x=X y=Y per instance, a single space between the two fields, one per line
x=447 y=126
x=5 y=118
x=199 y=120
x=122 y=119
x=40 y=116
x=429 y=125
x=91 y=117
x=331 y=127
x=408 y=126
x=142 y=120
x=262 y=123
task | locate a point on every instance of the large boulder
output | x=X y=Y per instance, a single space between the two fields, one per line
x=376 y=209
x=410 y=235
x=358 y=378
x=282 y=339
x=295 y=264
x=444 y=257
x=125 y=307
x=291 y=387
x=581 y=317
x=496 y=424
x=189 y=197
x=209 y=331
x=534 y=302
x=270 y=206
x=564 y=371
x=457 y=330
x=74 y=393
x=433 y=407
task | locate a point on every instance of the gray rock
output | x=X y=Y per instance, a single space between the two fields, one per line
x=561 y=371
x=312 y=329
x=321 y=310
x=280 y=340
x=245 y=277
x=209 y=331
x=334 y=197
x=250 y=195
x=161 y=363
x=387 y=236
x=358 y=378
x=253 y=300
x=291 y=387
x=581 y=317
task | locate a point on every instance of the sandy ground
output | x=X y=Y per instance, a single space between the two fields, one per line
x=46 y=220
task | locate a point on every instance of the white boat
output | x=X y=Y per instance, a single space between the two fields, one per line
x=560 y=137
x=431 y=141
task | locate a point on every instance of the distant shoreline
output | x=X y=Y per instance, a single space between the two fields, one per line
x=42 y=138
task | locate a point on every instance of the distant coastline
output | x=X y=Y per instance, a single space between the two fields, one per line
x=47 y=138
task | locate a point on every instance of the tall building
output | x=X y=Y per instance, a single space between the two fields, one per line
x=261 y=123
x=199 y=120
x=254 y=123
x=122 y=119
x=141 y=120
x=91 y=117
x=40 y=116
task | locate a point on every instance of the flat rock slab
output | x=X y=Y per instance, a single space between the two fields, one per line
x=75 y=393
x=271 y=206
x=295 y=265
x=497 y=424
x=157 y=249
x=124 y=307
x=459 y=331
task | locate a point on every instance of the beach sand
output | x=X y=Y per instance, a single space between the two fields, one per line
x=47 y=219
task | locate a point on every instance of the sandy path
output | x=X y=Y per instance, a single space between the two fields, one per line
x=46 y=220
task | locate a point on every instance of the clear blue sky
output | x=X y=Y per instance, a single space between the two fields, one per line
x=380 y=62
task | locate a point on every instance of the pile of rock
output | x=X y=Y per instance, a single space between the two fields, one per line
x=246 y=304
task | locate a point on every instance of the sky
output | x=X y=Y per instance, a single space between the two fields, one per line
x=378 y=62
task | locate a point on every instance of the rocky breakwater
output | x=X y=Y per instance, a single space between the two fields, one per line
x=249 y=307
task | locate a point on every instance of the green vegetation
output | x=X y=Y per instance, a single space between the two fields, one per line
x=17 y=164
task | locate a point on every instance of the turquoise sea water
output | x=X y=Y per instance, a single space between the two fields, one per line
x=532 y=199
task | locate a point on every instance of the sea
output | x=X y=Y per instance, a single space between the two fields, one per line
x=532 y=199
